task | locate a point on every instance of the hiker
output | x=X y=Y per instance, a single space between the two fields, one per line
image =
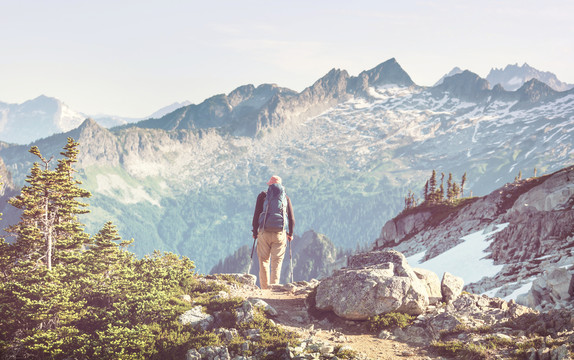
x=273 y=216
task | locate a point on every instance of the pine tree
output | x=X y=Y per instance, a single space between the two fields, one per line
x=455 y=191
x=449 y=188
x=432 y=187
x=462 y=182
x=410 y=201
x=440 y=195
x=49 y=231
x=426 y=191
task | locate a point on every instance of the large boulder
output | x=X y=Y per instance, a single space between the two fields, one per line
x=432 y=284
x=451 y=287
x=374 y=283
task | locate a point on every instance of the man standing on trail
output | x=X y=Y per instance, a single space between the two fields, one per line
x=273 y=216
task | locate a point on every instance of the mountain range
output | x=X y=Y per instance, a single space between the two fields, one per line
x=45 y=116
x=348 y=148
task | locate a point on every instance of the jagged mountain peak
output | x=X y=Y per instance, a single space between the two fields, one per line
x=465 y=85
x=335 y=81
x=388 y=72
x=454 y=71
x=534 y=90
x=89 y=123
x=512 y=77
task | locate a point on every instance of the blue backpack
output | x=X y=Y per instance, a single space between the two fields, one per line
x=274 y=214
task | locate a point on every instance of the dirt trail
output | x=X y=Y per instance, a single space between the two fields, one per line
x=293 y=315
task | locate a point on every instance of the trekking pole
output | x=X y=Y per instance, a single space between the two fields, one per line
x=290 y=262
x=251 y=259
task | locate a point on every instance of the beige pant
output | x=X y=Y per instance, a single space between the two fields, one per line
x=270 y=246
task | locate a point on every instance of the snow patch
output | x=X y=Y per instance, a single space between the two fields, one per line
x=466 y=260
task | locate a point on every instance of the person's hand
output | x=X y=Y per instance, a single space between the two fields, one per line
x=289 y=237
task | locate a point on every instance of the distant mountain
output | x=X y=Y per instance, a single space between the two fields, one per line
x=45 y=116
x=348 y=148
x=512 y=77
x=35 y=119
x=168 y=109
x=249 y=110
x=110 y=121
x=454 y=71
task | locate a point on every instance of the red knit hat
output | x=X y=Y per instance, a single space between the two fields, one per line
x=274 y=180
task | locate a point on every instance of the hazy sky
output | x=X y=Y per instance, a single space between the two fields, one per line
x=130 y=58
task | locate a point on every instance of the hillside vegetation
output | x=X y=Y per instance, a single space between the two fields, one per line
x=65 y=294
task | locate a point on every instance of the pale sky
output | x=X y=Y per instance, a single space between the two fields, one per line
x=130 y=58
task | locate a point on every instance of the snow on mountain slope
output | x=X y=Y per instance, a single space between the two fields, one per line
x=467 y=260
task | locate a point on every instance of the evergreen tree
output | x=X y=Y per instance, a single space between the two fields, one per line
x=49 y=231
x=410 y=201
x=462 y=182
x=426 y=191
x=432 y=187
x=440 y=195
x=449 y=188
x=455 y=191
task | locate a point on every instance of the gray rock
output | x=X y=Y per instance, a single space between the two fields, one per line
x=208 y=353
x=432 y=284
x=245 y=313
x=193 y=354
x=196 y=318
x=413 y=334
x=443 y=321
x=550 y=289
x=246 y=279
x=451 y=287
x=226 y=334
x=375 y=283
x=266 y=307
x=560 y=353
x=396 y=229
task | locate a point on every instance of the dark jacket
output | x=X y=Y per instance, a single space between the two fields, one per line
x=259 y=210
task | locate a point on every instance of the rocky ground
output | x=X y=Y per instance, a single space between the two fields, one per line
x=290 y=303
x=470 y=327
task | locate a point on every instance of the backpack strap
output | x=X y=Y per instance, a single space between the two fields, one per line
x=266 y=211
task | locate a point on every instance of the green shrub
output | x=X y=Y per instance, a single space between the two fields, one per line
x=388 y=321
x=273 y=338
x=468 y=351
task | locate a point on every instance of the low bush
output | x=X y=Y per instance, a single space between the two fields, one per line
x=389 y=321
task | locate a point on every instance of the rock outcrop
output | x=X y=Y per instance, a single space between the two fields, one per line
x=553 y=289
x=539 y=236
x=380 y=282
x=374 y=283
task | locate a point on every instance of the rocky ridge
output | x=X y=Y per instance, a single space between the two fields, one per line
x=538 y=239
